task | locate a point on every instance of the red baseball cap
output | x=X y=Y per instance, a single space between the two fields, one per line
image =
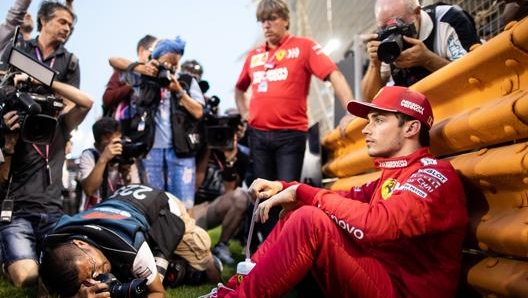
x=396 y=99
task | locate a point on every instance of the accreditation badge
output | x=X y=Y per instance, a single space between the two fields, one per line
x=263 y=86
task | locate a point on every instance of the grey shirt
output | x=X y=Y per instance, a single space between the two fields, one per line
x=14 y=18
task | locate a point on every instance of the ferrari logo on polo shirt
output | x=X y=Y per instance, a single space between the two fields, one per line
x=388 y=187
x=280 y=55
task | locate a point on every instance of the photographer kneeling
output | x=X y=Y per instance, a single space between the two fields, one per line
x=107 y=166
x=132 y=235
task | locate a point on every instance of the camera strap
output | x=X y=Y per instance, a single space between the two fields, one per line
x=46 y=159
x=8 y=204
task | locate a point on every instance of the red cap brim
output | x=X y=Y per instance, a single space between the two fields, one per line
x=361 y=109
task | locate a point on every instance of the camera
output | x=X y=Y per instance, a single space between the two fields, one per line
x=220 y=130
x=131 y=150
x=36 y=105
x=164 y=76
x=136 y=288
x=391 y=38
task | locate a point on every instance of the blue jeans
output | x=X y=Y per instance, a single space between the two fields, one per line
x=164 y=170
x=276 y=155
x=22 y=237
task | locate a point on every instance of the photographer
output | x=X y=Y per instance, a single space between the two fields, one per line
x=219 y=199
x=107 y=166
x=16 y=16
x=168 y=110
x=439 y=35
x=119 y=98
x=55 y=24
x=33 y=186
x=130 y=234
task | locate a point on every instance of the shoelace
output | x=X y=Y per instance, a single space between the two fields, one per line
x=213 y=292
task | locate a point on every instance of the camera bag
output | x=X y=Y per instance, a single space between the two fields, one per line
x=140 y=126
x=186 y=136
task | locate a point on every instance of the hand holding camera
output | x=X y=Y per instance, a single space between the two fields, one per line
x=11 y=121
x=36 y=105
x=113 y=149
x=124 y=151
x=416 y=55
x=161 y=73
x=391 y=39
x=372 y=44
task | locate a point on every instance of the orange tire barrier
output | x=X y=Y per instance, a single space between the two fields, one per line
x=480 y=104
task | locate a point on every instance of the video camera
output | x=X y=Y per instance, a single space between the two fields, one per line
x=36 y=105
x=131 y=150
x=219 y=130
x=136 y=288
x=391 y=37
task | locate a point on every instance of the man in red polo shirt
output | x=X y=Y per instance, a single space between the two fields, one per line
x=278 y=73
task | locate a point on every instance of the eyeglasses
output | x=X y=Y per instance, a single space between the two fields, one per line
x=271 y=18
x=91 y=260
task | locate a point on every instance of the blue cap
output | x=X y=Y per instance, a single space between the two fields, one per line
x=165 y=46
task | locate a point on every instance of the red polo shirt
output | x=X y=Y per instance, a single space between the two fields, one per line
x=280 y=79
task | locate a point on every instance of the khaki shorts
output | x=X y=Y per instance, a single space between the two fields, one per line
x=195 y=248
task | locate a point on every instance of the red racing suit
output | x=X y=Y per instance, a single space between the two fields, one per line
x=398 y=236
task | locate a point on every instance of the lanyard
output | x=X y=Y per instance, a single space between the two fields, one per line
x=46 y=159
x=217 y=160
x=270 y=60
x=39 y=57
x=268 y=65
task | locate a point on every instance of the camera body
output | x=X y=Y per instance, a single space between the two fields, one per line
x=131 y=150
x=164 y=76
x=36 y=106
x=391 y=37
x=136 y=288
x=220 y=130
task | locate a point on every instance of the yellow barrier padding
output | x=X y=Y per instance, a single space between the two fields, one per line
x=504 y=277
